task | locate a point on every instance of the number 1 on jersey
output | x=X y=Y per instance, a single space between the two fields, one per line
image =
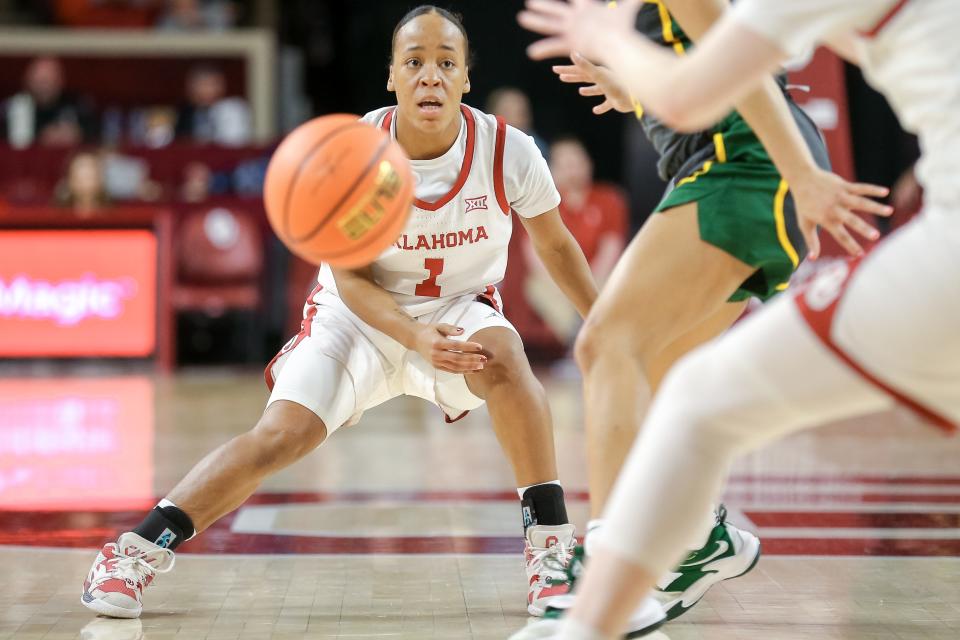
x=429 y=286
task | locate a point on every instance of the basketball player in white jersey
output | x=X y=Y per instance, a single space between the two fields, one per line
x=423 y=320
x=874 y=332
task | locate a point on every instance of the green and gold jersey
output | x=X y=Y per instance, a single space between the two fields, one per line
x=655 y=22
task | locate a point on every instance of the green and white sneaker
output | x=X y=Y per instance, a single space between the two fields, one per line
x=647 y=617
x=729 y=553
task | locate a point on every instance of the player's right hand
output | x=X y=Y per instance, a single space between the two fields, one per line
x=452 y=356
x=600 y=82
x=824 y=199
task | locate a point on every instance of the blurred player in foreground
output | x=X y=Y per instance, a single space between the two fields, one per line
x=873 y=332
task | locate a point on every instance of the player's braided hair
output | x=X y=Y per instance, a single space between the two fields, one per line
x=453 y=18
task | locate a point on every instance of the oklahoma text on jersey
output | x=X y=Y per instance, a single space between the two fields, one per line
x=448 y=240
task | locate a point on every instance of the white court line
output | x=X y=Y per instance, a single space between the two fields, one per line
x=255 y=519
x=841 y=487
x=833 y=507
x=844 y=532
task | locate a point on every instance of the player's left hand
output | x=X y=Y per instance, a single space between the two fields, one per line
x=826 y=200
x=580 y=25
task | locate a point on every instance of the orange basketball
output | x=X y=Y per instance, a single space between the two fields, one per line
x=338 y=190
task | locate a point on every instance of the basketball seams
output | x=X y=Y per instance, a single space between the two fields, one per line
x=291 y=186
x=370 y=239
x=381 y=149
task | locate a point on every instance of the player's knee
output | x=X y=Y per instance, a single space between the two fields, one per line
x=694 y=401
x=601 y=338
x=285 y=433
x=506 y=363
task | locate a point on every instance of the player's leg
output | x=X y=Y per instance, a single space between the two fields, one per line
x=517 y=404
x=521 y=419
x=772 y=376
x=765 y=377
x=711 y=327
x=227 y=476
x=667 y=283
x=218 y=484
x=313 y=395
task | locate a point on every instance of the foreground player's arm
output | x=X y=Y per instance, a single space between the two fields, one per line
x=765 y=110
x=731 y=66
x=374 y=305
x=563 y=259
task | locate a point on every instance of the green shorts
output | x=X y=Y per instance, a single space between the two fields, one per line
x=744 y=207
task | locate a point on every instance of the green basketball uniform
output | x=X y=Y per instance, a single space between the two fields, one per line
x=744 y=207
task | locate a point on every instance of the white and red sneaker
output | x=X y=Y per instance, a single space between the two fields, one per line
x=549 y=549
x=123 y=569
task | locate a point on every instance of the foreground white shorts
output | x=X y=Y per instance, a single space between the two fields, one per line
x=338 y=366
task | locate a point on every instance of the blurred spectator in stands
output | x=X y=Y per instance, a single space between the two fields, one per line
x=106 y=13
x=153 y=127
x=44 y=112
x=83 y=189
x=198 y=15
x=513 y=106
x=596 y=214
x=209 y=116
x=128 y=178
x=197 y=182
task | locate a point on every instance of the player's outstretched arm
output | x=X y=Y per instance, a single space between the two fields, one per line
x=374 y=305
x=600 y=81
x=730 y=67
x=563 y=259
x=765 y=109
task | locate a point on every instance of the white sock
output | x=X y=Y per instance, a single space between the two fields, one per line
x=522 y=490
x=590 y=537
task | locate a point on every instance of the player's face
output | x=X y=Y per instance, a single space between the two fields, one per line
x=429 y=72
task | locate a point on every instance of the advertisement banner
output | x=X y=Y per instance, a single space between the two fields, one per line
x=78 y=293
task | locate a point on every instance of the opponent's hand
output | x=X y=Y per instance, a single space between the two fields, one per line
x=599 y=81
x=827 y=200
x=453 y=356
x=580 y=25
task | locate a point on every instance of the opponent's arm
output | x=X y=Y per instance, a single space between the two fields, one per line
x=766 y=111
x=693 y=92
x=563 y=259
x=374 y=305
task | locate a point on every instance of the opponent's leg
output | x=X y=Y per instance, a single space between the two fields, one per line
x=665 y=285
x=521 y=419
x=731 y=395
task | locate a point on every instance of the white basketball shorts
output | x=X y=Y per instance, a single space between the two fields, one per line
x=338 y=366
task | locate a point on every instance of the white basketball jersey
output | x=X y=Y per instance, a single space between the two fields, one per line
x=457 y=243
x=909 y=50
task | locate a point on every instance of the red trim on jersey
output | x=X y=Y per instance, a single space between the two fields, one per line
x=450 y=420
x=888 y=16
x=387 y=120
x=464 y=168
x=489 y=297
x=498 y=187
x=305 y=328
x=820 y=319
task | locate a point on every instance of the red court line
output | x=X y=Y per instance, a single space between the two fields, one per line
x=828 y=519
x=221 y=540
